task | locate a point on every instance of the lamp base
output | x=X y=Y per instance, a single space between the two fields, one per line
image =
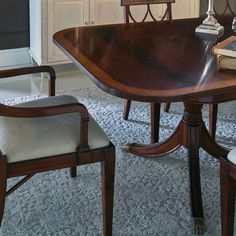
x=215 y=29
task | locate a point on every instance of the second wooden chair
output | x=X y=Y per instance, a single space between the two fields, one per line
x=150 y=16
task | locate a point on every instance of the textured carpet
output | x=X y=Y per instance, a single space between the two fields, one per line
x=151 y=196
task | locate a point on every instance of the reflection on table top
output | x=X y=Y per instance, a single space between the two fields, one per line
x=151 y=61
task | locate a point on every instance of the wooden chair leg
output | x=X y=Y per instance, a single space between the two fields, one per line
x=108 y=174
x=166 y=107
x=3 y=184
x=213 y=109
x=227 y=189
x=73 y=172
x=127 y=105
x=155 y=122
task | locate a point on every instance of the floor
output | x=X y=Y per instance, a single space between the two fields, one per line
x=68 y=77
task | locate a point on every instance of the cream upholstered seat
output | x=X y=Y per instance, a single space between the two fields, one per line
x=46 y=136
x=49 y=134
x=232 y=156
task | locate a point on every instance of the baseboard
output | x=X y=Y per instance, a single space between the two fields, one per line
x=14 y=57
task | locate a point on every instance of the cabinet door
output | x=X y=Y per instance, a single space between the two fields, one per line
x=64 y=14
x=185 y=9
x=106 y=12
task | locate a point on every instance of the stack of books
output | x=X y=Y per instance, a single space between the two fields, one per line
x=226 y=53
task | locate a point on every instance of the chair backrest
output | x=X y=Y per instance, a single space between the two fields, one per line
x=129 y=16
x=227 y=9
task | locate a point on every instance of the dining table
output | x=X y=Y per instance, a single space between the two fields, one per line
x=159 y=62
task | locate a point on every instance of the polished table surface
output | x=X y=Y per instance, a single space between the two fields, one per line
x=154 y=62
x=159 y=62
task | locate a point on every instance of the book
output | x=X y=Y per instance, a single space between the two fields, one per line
x=225 y=62
x=226 y=48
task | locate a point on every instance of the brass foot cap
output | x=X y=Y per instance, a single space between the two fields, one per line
x=125 y=148
x=199 y=226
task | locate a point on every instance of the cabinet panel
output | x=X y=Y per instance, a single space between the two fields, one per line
x=63 y=14
x=190 y=10
x=106 y=12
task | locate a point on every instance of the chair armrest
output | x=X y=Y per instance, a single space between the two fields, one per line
x=32 y=70
x=34 y=112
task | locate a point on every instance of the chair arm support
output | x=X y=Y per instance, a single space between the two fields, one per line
x=32 y=70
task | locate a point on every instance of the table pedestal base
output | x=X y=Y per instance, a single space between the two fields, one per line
x=193 y=135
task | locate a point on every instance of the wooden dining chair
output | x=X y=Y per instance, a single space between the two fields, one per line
x=227 y=167
x=227 y=190
x=149 y=15
x=49 y=134
x=226 y=9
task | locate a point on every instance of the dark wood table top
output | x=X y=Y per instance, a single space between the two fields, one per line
x=153 y=62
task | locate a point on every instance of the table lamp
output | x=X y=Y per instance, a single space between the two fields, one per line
x=210 y=24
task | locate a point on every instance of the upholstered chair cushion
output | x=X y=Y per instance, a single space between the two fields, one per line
x=30 y=138
x=232 y=156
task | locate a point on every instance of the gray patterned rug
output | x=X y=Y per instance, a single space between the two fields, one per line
x=151 y=196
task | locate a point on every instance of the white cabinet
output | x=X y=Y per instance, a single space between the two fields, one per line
x=50 y=16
